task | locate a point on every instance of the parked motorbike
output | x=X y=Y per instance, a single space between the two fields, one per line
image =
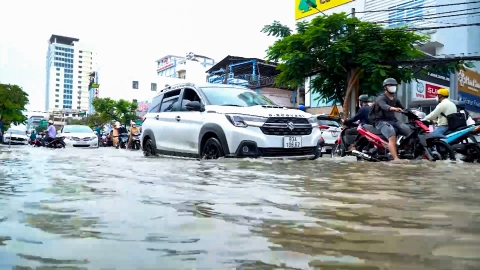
x=103 y=140
x=135 y=141
x=122 y=140
x=56 y=143
x=371 y=145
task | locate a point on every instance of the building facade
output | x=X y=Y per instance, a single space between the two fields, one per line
x=68 y=66
x=191 y=67
x=450 y=40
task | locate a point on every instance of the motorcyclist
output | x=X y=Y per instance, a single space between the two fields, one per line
x=444 y=108
x=51 y=132
x=115 y=135
x=461 y=108
x=121 y=130
x=385 y=119
x=133 y=129
x=362 y=114
x=33 y=136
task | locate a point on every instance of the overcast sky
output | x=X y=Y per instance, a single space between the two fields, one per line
x=130 y=35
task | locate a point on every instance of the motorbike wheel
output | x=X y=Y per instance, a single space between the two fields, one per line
x=338 y=151
x=472 y=153
x=443 y=150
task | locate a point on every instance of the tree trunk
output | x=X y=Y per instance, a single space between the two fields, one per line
x=354 y=76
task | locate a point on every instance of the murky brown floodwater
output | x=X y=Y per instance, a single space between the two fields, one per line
x=114 y=209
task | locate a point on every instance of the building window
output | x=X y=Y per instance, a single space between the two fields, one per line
x=79 y=87
x=56 y=100
x=57 y=95
x=80 y=56
x=57 y=80
x=153 y=87
x=58 y=68
x=80 y=72
x=56 y=106
x=79 y=66
x=80 y=62
x=79 y=82
x=58 y=74
x=135 y=84
x=57 y=90
x=405 y=14
x=57 y=84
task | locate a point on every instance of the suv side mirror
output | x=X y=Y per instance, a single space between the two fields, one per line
x=194 y=106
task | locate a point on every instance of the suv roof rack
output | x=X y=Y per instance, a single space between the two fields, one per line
x=169 y=87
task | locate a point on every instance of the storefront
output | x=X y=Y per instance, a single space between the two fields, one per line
x=424 y=90
x=469 y=90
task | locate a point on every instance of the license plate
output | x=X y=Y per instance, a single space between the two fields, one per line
x=324 y=150
x=292 y=142
x=334 y=133
x=82 y=142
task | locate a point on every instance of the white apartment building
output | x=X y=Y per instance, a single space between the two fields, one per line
x=192 y=67
x=68 y=65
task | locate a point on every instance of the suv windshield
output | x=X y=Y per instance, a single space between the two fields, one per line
x=330 y=123
x=77 y=129
x=235 y=97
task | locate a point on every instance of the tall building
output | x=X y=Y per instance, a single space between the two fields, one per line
x=69 y=64
x=191 y=67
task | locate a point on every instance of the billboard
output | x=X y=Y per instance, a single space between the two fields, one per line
x=302 y=9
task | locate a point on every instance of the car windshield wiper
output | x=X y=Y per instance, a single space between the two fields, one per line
x=234 y=105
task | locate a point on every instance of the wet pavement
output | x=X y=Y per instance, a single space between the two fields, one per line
x=114 y=209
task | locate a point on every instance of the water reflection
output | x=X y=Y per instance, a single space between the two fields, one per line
x=114 y=209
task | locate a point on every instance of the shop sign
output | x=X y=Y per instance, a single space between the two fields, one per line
x=302 y=9
x=425 y=90
x=472 y=102
x=469 y=82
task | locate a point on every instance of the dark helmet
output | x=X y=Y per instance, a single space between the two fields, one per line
x=389 y=81
x=363 y=98
x=461 y=105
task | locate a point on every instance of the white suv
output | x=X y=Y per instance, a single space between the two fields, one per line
x=209 y=121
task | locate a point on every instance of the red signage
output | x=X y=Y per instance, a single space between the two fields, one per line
x=431 y=90
x=169 y=65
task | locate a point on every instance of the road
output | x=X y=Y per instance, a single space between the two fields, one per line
x=115 y=209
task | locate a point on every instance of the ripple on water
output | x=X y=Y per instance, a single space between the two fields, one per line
x=114 y=209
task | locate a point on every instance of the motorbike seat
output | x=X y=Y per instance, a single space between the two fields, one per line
x=452 y=131
x=372 y=129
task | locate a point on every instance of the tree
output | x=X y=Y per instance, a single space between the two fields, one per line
x=330 y=47
x=12 y=104
x=109 y=110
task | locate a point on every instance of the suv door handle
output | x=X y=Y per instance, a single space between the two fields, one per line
x=157 y=117
x=177 y=118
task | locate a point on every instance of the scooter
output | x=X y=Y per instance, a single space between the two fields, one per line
x=56 y=143
x=135 y=141
x=345 y=140
x=122 y=140
x=103 y=140
x=459 y=140
x=371 y=145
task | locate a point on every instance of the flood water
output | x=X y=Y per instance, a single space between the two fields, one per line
x=115 y=209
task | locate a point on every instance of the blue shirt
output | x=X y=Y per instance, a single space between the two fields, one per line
x=362 y=115
x=52 y=132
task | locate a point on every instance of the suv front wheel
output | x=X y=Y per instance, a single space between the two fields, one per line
x=212 y=149
x=149 y=148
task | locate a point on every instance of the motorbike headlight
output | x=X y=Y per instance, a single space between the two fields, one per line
x=240 y=120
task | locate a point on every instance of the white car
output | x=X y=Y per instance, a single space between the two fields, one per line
x=331 y=128
x=79 y=136
x=13 y=136
x=209 y=121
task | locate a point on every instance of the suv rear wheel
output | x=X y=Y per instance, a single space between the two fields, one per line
x=212 y=149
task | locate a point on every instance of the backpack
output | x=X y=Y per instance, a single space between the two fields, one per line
x=371 y=114
x=455 y=120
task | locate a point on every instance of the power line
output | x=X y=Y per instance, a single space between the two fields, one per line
x=435 y=17
x=440 y=27
x=446 y=21
x=417 y=7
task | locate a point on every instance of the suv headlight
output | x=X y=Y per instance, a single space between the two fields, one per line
x=313 y=120
x=240 y=120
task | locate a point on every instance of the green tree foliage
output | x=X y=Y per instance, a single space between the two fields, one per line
x=109 y=110
x=12 y=104
x=329 y=47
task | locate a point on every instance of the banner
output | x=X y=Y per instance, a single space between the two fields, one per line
x=302 y=9
x=422 y=90
x=472 y=102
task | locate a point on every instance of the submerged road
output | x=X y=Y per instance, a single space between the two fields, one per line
x=115 y=209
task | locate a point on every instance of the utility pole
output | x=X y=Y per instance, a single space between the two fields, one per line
x=352 y=103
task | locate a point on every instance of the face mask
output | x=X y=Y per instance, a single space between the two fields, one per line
x=392 y=89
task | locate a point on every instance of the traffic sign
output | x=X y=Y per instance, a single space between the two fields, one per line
x=335 y=112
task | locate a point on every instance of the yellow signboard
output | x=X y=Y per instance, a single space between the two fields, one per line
x=335 y=112
x=94 y=85
x=302 y=9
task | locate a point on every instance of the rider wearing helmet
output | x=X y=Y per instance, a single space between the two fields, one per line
x=444 y=108
x=51 y=132
x=362 y=114
x=461 y=108
x=385 y=118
